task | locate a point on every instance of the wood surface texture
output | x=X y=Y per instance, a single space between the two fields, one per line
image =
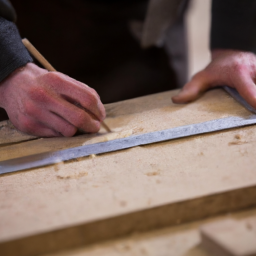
x=138 y=189
x=230 y=237
x=180 y=240
x=9 y=134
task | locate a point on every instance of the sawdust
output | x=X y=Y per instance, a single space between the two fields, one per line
x=137 y=130
x=72 y=176
x=136 y=116
x=155 y=173
x=58 y=166
x=143 y=251
x=237 y=140
x=110 y=136
x=238 y=136
x=243 y=152
x=237 y=143
x=119 y=135
x=9 y=134
x=123 y=203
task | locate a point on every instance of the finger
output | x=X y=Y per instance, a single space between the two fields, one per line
x=74 y=115
x=193 y=89
x=61 y=125
x=73 y=80
x=54 y=103
x=88 y=100
x=77 y=92
x=53 y=121
x=30 y=126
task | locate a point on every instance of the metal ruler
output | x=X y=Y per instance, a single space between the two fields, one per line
x=44 y=159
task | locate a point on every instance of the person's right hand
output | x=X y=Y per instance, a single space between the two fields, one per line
x=50 y=104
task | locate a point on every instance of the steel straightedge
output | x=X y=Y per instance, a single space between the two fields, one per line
x=44 y=159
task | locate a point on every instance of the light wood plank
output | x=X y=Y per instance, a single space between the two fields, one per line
x=138 y=189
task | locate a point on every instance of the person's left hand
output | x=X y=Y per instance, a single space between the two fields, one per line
x=228 y=67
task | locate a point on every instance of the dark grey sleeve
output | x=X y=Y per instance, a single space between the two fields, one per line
x=233 y=25
x=13 y=53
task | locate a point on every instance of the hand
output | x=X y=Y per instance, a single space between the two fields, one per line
x=45 y=103
x=228 y=67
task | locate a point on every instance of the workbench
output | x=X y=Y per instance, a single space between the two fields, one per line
x=139 y=190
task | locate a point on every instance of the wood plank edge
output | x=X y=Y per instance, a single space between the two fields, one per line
x=139 y=221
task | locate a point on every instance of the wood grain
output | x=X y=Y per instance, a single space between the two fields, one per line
x=230 y=237
x=138 y=189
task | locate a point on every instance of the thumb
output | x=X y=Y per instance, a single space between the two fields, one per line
x=193 y=89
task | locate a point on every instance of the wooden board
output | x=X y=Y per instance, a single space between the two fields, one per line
x=142 y=188
x=9 y=134
x=181 y=240
x=230 y=237
x=136 y=116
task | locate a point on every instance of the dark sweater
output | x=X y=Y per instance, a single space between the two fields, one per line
x=13 y=54
x=233 y=27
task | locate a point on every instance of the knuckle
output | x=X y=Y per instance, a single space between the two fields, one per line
x=93 y=126
x=239 y=67
x=29 y=108
x=93 y=92
x=92 y=100
x=51 y=79
x=39 y=94
x=50 y=76
x=96 y=126
x=253 y=99
x=86 y=122
x=26 y=125
x=103 y=113
x=69 y=131
x=198 y=76
x=91 y=97
x=80 y=119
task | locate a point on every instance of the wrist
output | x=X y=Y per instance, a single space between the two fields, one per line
x=8 y=80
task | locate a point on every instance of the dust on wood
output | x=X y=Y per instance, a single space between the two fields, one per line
x=237 y=140
x=123 y=203
x=154 y=173
x=9 y=134
x=72 y=176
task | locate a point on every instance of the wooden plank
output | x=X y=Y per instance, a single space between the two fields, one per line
x=135 y=189
x=180 y=240
x=136 y=116
x=9 y=134
x=230 y=237
x=139 y=221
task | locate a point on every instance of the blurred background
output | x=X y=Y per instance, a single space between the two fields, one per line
x=198 y=24
x=90 y=41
